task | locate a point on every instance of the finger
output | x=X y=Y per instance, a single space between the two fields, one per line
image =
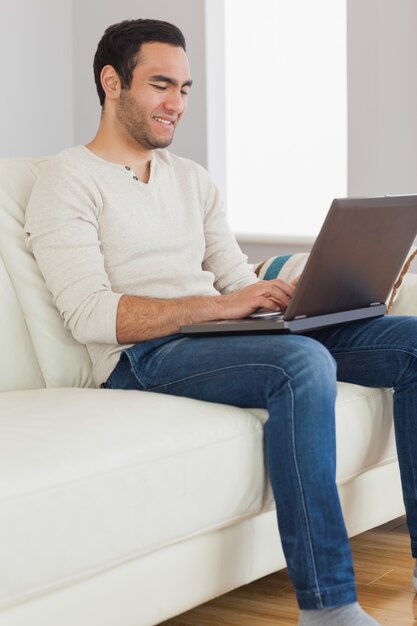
x=281 y=303
x=277 y=304
x=279 y=294
x=287 y=288
x=270 y=304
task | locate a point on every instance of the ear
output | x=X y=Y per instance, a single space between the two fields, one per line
x=110 y=82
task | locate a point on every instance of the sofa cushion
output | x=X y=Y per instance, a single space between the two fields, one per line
x=287 y=266
x=92 y=478
x=62 y=361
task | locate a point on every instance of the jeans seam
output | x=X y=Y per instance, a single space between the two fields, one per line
x=326 y=590
x=301 y=493
x=134 y=369
x=370 y=349
x=216 y=371
x=410 y=457
x=366 y=349
x=269 y=366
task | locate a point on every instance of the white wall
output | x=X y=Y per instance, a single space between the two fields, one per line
x=215 y=93
x=36 y=112
x=382 y=103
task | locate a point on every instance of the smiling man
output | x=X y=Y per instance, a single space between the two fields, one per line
x=141 y=110
x=133 y=244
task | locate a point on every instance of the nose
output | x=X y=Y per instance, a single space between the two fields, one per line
x=175 y=102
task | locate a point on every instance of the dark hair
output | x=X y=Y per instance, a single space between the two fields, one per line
x=121 y=43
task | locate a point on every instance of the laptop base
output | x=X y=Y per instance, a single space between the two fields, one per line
x=279 y=324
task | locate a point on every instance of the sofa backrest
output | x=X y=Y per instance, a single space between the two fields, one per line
x=35 y=348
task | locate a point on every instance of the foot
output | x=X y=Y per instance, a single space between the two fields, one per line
x=346 y=615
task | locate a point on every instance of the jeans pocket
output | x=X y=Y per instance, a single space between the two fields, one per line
x=123 y=376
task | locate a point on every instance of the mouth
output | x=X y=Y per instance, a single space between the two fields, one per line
x=164 y=122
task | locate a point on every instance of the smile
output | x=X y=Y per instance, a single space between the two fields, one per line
x=164 y=122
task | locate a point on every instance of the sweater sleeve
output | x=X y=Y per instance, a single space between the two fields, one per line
x=223 y=257
x=63 y=234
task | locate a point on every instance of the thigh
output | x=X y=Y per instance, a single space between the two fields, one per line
x=371 y=352
x=236 y=369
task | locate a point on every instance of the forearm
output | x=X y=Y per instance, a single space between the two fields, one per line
x=140 y=319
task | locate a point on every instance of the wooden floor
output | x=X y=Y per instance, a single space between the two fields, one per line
x=383 y=568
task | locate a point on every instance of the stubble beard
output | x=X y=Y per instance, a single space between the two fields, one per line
x=136 y=124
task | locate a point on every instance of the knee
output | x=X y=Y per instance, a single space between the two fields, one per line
x=318 y=364
x=309 y=361
x=310 y=380
x=407 y=332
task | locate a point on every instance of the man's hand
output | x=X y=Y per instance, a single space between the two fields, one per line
x=270 y=295
x=140 y=319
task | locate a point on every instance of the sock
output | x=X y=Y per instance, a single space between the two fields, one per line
x=346 y=615
x=415 y=577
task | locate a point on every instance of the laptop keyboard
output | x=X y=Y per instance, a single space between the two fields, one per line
x=267 y=315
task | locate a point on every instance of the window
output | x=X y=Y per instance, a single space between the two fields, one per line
x=286 y=114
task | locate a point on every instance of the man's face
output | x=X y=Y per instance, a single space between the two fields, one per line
x=150 y=110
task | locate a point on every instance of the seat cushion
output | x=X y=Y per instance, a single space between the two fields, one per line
x=91 y=478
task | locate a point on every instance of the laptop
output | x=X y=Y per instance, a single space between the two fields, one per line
x=350 y=272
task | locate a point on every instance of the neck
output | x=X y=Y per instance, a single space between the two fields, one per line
x=116 y=146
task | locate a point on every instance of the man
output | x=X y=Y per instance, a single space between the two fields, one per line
x=133 y=243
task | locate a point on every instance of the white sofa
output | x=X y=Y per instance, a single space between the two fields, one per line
x=124 y=508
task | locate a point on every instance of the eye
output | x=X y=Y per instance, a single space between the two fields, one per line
x=159 y=87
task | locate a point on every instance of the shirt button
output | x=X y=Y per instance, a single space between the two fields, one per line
x=135 y=178
x=127 y=167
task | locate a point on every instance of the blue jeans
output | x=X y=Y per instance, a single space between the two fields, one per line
x=294 y=377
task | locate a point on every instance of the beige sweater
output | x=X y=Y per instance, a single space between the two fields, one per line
x=97 y=233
